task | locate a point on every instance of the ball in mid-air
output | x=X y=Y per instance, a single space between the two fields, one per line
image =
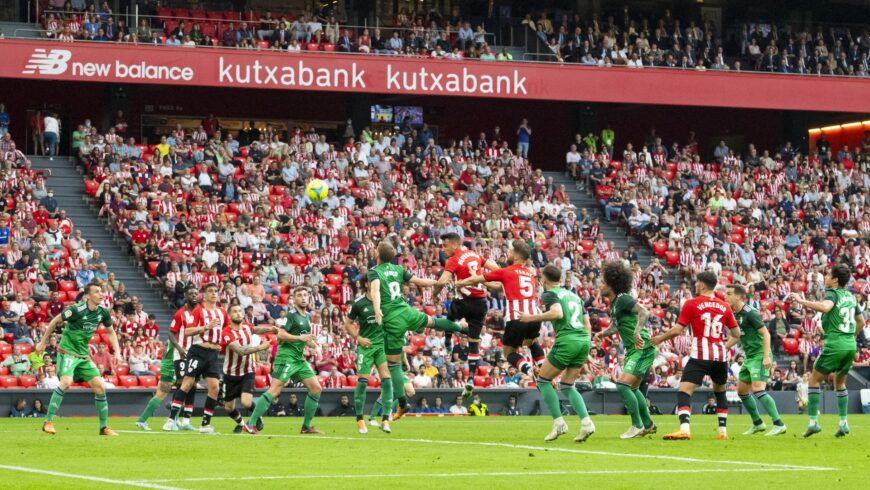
x=317 y=190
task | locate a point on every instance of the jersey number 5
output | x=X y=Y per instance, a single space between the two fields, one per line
x=526 y=288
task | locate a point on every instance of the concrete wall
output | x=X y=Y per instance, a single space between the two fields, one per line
x=130 y=402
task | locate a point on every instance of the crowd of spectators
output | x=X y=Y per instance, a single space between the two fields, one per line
x=629 y=39
x=44 y=263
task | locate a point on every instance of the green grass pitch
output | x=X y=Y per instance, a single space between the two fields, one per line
x=429 y=452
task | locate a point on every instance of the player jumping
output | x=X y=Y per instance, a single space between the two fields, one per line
x=520 y=287
x=757 y=363
x=569 y=352
x=73 y=356
x=396 y=316
x=842 y=321
x=238 y=366
x=290 y=364
x=202 y=358
x=369 y=354
x=707 y=315
x=470 y=302
x=629 y=319
x=171 y=367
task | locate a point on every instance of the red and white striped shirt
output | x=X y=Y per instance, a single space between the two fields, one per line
x=206 y=317
x=520 y=284
x=235 y=364
x=183 y=319
x=707 y=316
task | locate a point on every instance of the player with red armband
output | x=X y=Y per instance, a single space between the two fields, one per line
x=706 y=315
x=520 y=286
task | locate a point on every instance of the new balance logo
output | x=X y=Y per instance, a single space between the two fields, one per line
x=52 y=62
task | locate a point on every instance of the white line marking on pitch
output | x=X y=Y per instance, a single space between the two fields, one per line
x=522 y=446
x=141 y=484
x=494 y=473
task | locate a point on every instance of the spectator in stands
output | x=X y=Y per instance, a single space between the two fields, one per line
x=139 y=362
x=458 y=408
x=51 y=135
x=38 y=409
x=5 y=120
x=19 y=409
x=344 y=408
x=18 y=363
x=293 y=409
x=510 y=409
x=103 y=359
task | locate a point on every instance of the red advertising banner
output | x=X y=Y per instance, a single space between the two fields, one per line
x=163 y=65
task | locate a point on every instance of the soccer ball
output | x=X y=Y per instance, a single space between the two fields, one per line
x=317 y=190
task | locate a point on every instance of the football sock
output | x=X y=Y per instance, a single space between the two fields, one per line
x=575 y=399
x=473 y=360
x=551 y=398
x=312 y=401
x=751 y=408
x=813 y=405
x=262 y=405
x=236 y=415
x=722 y=410
x=395 y=373
x=769 y=405
x=359 y=397
x=102 y=404
x=208 y=410
x=54 y=404
x=446 y=325
x=516 y=360
x=642 y=409
x=684 y=410
x=187 y=412
x=177 y=403
x=153 y=403
x=378 y=407
x=386 y=394
x=537 y=353
x=842 y=404
x=630 y=402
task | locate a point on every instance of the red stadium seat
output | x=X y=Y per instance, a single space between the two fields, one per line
x=790 y=346
x=122 y=370
x=660 y=248
x=8 y=381
x=587 y=245
x=111 y=378
x=5 y=349
x=799 y=286
x=148 y=381
x=4 y=371
x=263 y=44
x=333 y=279
x=67 y=286
x=374 y=382
x=604 y=322
x=329 y=47
x=128 y=381
x=794 y=333
x=261 y=382
x=673 y=258
x=27 y=381
x=711 y=220
x=483 y=370
x=429 y=310
x=418 y=341
x=265 y=369
x=350 y=382
x=658 y=312
x=152 y=268
x=482 y=381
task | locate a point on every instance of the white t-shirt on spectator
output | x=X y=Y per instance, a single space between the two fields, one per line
x=52 y=125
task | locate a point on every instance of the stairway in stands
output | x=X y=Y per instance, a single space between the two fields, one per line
x=68 y=186
x=613 y=233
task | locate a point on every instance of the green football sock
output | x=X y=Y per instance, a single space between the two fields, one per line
x=311 y=403
x=769 y=405
x=153 y=403
x=630 y=402
x=575 y=399
x=386 y=394
x=446 y=325
x=551 y=398
x=395 y=373
x=814 y=394
x=262 y=405
x=843 y=404
x=359 y=397
x=54 y=404
x=102 y=404
x=642 y=409
x=751 y=408
x=379 y=405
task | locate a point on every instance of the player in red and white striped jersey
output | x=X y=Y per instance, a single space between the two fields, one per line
x=520 y=286
x=202 y=357
x=707 y=315
x=470 y=302
x=240 y=344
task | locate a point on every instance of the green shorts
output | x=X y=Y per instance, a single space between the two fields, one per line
x=368 y=358
x=295 y=370
x=167 y=370
x=76 y=367
x=753 y=370
x=571 y=354
x=638 y=362
x=396 y=322
x=838 y=361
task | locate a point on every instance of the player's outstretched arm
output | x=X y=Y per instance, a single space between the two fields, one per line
x=490 y=265
x=423 y=283
x=350 y=328
x=554 y=313
x=672 y=332
x=247 y=350
x=823 y=306
x=470 y=281
x=262 y=330
x=445 y=278
x=606 y=332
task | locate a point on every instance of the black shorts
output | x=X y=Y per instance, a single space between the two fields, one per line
x=233 y=386
x=202 y=362
x=516 y=332
x=696 y=369
x=179 y=370
x=473 y=310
